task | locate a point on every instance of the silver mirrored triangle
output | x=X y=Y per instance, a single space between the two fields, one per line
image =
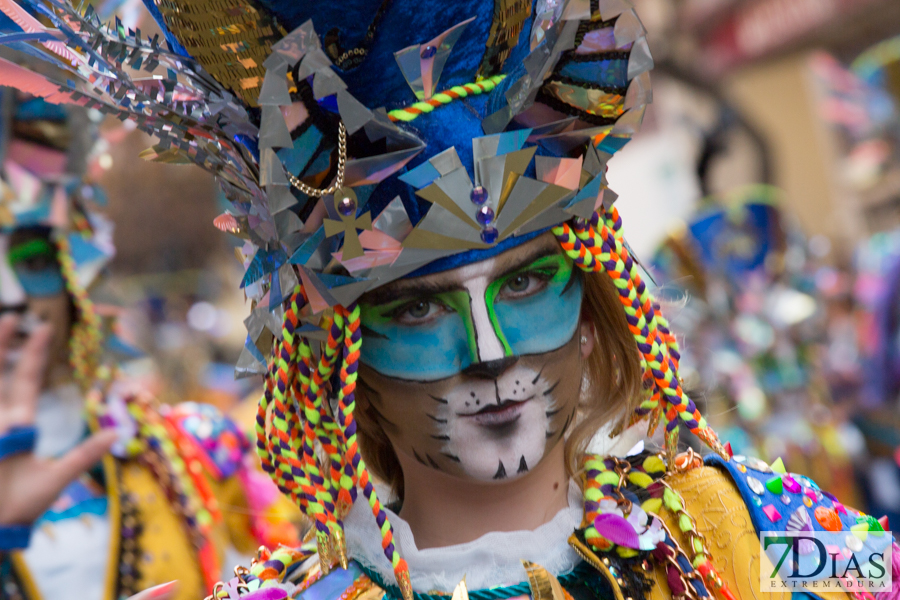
x=640 y=60
x=273 y=131
x=422 y=64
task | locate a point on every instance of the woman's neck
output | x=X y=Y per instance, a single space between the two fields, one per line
x=443 y=510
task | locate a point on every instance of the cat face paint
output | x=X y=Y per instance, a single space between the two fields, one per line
x=477 y=371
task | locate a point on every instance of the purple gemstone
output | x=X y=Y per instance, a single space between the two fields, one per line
x=428 y=52
x=489 y=235
x=485 y=215
x=347 y=206
x=479 y=195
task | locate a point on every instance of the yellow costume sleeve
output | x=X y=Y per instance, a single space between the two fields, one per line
x=714 y=501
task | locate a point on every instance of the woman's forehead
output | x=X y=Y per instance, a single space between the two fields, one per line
x=495 y=266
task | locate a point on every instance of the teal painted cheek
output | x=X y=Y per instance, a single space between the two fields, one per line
x=543 y=322
x=422 y=353
x=41 y=284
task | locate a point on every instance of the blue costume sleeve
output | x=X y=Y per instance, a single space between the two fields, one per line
x=780 y=501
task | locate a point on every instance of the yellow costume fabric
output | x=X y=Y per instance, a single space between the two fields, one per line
x=714 y=501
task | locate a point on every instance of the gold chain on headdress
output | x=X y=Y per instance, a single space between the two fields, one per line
x=339 y=178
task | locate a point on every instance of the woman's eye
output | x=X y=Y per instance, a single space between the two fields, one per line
x=522 y=285
x=419 y=312
x=519 y=283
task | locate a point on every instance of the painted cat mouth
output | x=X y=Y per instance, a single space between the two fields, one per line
x=497 y=415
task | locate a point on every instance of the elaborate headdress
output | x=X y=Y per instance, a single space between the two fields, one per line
x=372 y=142
x=45 y=151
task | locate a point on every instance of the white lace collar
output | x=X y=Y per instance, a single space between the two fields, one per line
x=491 y=560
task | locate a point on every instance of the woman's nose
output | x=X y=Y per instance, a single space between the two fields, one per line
x=490 y=369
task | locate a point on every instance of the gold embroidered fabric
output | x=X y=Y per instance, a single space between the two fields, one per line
x=714 y=501
x=230 y=38
x=509 y=19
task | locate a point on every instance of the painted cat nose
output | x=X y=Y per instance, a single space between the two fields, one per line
x=491 y=369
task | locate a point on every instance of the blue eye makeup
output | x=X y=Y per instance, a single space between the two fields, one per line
x=533 y=310
x=539 y=322
x=37 y=269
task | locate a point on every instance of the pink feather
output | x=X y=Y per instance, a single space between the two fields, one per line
x=29 y=24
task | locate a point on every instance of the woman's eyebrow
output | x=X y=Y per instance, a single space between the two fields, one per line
x=403 y=290
x=527 y=261
x=411 y=290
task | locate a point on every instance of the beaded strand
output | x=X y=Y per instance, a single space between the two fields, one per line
x=86 y=338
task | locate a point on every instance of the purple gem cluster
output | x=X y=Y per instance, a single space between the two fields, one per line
x=485 y=215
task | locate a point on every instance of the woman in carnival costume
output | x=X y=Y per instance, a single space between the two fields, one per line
x=443 y=298
x=150 y=496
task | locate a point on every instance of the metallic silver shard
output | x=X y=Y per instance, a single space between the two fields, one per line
x=549 y=218
x=273 y=131
x=347 y=294
x=583 y=208
x=353 y=113
x=579 y=10
x=457 y=188
x=640 y=92
x=326 y=83
x=248 y=366
x=640 y=60
x=610 y=9
x=393 y=220
x=296 y=44
x=280 y=198
x=314 y=62
x=286 y=223
x=375 y=169
x=422 y=64
x=271 y=171
x=628 y=28
x=274 y=90
x=630 y=122
x=445 y=162
x=530 y=198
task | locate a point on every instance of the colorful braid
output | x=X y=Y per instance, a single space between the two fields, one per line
x=409 y=113
x=296 y=397
x=599 y=246
x=86 y=338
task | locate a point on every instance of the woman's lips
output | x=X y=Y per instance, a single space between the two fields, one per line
x=495 y=415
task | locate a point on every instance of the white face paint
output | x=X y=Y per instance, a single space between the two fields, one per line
x=11 y=291
x=508 y=324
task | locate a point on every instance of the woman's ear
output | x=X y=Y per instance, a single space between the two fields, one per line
x=588 y=338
